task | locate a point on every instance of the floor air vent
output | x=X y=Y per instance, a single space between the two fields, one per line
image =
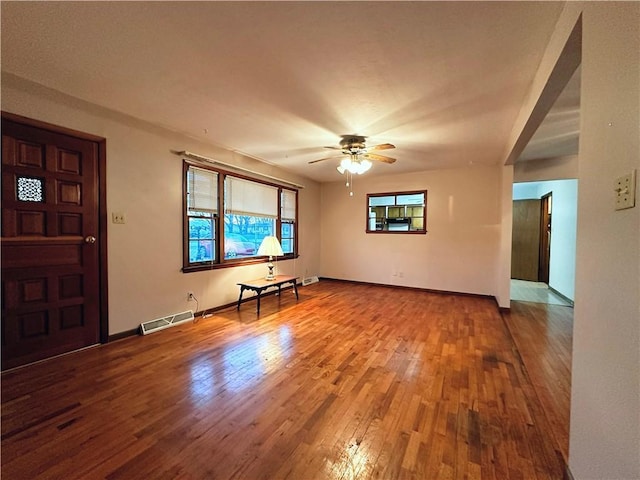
x=309 y=280
x=165 y=322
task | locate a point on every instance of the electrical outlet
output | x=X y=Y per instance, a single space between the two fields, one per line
x=625 y=189
x=117 y=217
x=190 y=297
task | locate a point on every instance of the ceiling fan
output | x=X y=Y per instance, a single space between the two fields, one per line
x=354 y=147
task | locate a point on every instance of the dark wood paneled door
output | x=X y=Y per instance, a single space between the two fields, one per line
x=525 y=241
x=50 y=243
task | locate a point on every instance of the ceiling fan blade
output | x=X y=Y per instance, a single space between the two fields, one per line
x=326 y=158
x=379 y=158
x=335 y=148
x=382 y=146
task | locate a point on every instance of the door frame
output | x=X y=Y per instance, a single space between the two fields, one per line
x=544 y=258
x=102 y=208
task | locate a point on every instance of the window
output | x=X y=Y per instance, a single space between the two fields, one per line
x=227 y=217
x=202 y=214
x=251 y=212
x=400 y=212
x=30 y=189
x=288 y=210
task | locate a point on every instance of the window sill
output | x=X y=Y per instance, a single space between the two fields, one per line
x=403 y=232
x=233 y=263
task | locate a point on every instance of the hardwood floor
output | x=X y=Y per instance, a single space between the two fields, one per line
x=543 y=335
x=352 y=381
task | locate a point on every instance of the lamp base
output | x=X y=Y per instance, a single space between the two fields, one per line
x=270 y=275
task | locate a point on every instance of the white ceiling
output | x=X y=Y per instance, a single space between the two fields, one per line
x=443 y=81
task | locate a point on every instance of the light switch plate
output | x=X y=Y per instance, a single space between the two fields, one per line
x=625 y=189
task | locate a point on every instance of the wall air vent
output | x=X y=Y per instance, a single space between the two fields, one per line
x=165 y=322
x=309 y=280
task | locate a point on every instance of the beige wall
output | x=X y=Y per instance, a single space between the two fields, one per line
x=459 y=253
x=503 y=274
x=144 y=182
x=605 y=406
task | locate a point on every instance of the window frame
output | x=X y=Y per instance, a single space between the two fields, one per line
x=294 y=223
x=218 y=223
x=213 y=216
x=420 y=231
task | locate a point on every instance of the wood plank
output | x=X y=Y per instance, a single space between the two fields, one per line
x=352 y=381
x=543 y=335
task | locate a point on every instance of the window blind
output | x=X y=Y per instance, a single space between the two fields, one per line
x=244 y=197
x=203 y=190
x=288 y=205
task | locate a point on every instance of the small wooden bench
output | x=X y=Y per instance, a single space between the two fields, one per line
x=259 y=285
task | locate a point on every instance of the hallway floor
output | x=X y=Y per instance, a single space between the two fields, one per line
x=537 y=292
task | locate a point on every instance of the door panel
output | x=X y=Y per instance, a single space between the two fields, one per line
x=50 y=274
x=525 y=246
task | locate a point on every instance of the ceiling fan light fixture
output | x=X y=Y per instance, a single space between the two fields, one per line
x=346 y=163
x=354 y=165
x=356 y=157
x=365 y=165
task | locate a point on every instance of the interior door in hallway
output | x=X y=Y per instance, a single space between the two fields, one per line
x=50 y=243
x=525 y=243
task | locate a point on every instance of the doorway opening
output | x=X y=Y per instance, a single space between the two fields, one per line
x=544 y=242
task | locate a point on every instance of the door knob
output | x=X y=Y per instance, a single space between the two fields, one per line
x=90 y=239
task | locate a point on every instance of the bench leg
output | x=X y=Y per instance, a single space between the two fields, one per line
x=258 y=307
x=240 y=298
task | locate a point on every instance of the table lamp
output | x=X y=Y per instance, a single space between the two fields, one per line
x=270 y=246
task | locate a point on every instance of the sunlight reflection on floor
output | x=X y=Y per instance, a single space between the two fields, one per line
x=245 y=364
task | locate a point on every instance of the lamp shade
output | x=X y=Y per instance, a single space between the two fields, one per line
x=270 y=246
